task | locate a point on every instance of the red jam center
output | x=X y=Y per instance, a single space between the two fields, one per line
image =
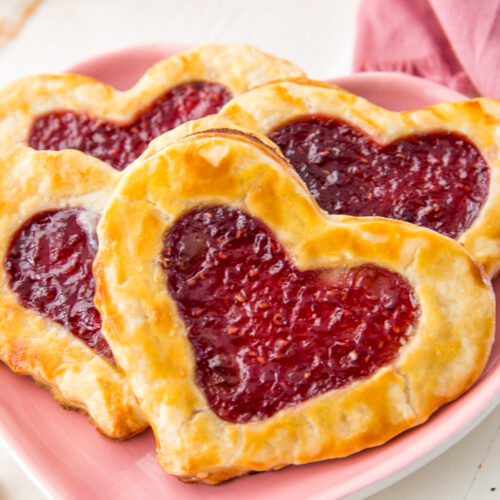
x=267 y=335
x=121 y=145
x=437 y=180
x=49 y=267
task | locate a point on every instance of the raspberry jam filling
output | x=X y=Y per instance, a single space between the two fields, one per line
x=120 y=145
x=49 y=268
x=437 y=180
x=266 y=335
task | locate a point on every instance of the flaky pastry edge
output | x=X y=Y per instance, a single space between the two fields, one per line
x=271 y=105
x=444 y=356
x=30 y=344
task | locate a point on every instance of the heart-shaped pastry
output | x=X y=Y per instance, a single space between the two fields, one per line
x=257 y=331
x=267 y=335
x=76 y=112
x=49 y=326
x=437 y=167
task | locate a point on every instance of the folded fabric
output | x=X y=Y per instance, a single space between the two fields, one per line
x=452 y=43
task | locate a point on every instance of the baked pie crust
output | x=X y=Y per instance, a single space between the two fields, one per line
x=236 y=67
x=31 y=344
x=270 y=106
x=35 y=181
x=446 y=353
x=213 y=123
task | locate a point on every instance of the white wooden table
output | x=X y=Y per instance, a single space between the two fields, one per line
x=318 y=35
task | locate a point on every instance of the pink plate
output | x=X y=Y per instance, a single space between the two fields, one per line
x=70 y=460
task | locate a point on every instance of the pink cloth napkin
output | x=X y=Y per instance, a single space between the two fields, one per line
x=453 y=42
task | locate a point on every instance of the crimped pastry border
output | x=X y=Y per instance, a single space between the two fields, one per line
x=445 y=355
x=30 y=344
x=269 y=106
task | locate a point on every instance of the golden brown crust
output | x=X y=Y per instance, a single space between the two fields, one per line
x=270 y=106
x=212 y=123
x=32 y=182
x=237 y=67
x=446 y=353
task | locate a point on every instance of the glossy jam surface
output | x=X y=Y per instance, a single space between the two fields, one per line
x=49 y=267
x=266 y=335
x=120 y=145
x=437 y=180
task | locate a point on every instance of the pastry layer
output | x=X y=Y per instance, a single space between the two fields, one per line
x=72 y=111
x=30 y=342
x=460 y=189
x=141 y=320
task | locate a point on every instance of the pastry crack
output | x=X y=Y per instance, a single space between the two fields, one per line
x=407 y=388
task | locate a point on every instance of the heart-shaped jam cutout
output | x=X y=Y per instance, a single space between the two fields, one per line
x=120 y=145
x=267 y=335
x=49 y=268
x=435 y=180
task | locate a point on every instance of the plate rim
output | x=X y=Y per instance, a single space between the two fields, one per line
x=413 y=461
